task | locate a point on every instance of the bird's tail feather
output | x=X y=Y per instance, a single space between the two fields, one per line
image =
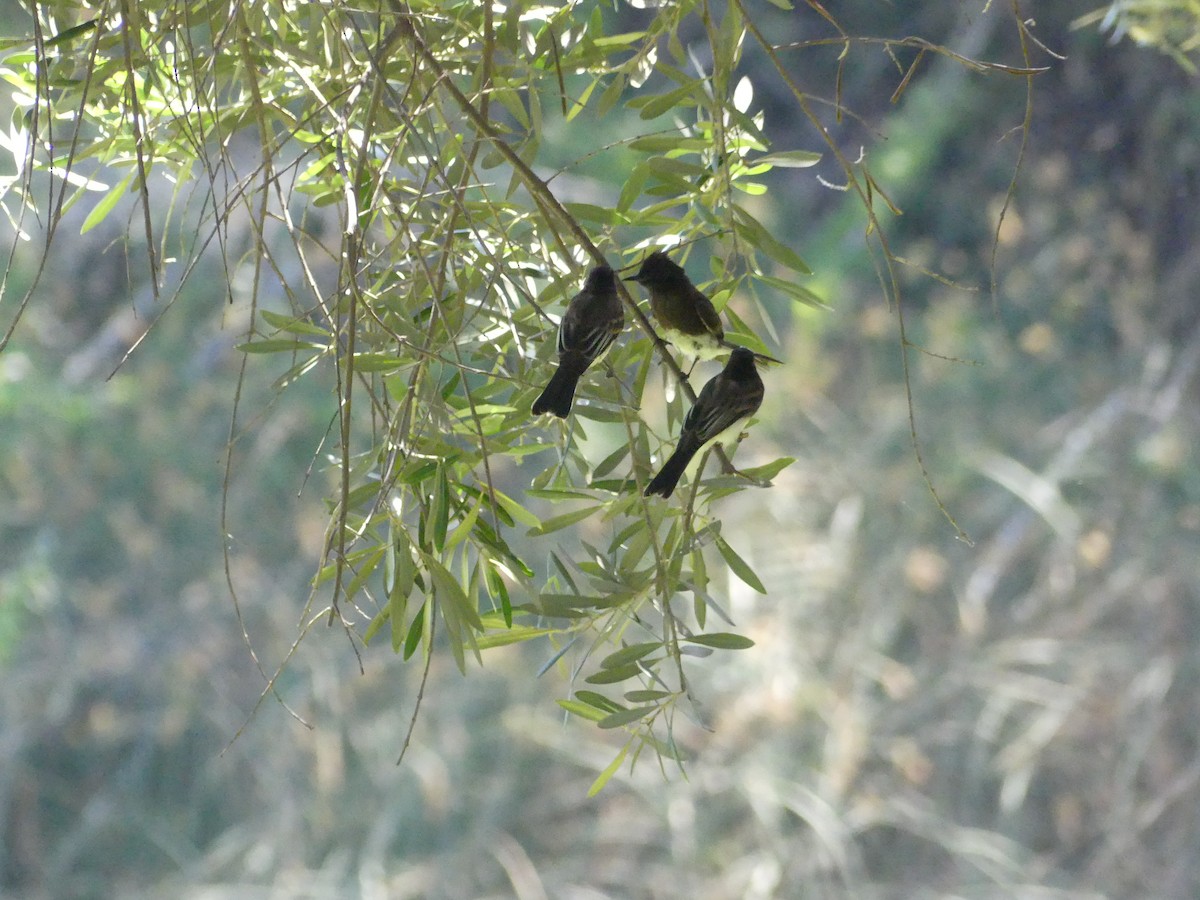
x=556 y=399
x=668 y=476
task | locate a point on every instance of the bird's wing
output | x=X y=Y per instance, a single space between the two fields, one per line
x=718 y=407
x=590 y=324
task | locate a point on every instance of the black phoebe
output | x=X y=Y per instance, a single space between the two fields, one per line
x=728 y=398
x=593 y=319
x=685 y=316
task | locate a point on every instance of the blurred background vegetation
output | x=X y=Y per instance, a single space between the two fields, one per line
x=920 y=717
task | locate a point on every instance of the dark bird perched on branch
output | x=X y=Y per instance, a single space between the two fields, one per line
x=685 y=316
x=593 y=319
x=728 y=398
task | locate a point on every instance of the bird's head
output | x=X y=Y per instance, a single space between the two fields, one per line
x=658 y=269
x=741 y=361
x=601 y=280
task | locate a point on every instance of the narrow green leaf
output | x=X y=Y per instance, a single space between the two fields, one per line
x=378 y=362
x=770 y=470
x=106 y=204
x=403 y=577
x=615 y=674
x=566 y=519
x=415 y=630
x=318 y=166
x=599 y=701
x=582 y=710
x=665 y=749
x=498 y=590
x=722 y=640
x=645 y=696
x=463 y=528
x=656 y=105
x=364 y=570
x=519 y=450
x=564 y=572
x=381 y=617
x=738 y=566
x=600 y=215
x=611 y=95
x=753 y=231
x=611 y=461
x=795 y=291
x=625 y=716
x=707 y=602
x=558 y=494
x=513 y=635
x=277 y=345
x=637 y=549
x=455 y=633
x=789 y=159
x=511 y=101
x=74 y=31
x=685 y=172
x=629 y=654
x=579 y=104
x=609 y=771
x=451 y=595
x=661 y=143
x=754 y=189
x=292 y=324
x=618 y=40
x=564 y=604
x=632 y=189
x=516 y=510
x=417 y=470
x=439 y=508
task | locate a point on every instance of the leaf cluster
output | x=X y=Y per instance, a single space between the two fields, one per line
x=373 y=182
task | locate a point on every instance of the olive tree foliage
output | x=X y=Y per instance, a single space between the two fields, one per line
x=413 y=234
x=1170 y=26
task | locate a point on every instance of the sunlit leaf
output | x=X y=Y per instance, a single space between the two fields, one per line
x=722 y=641
x=582 y=710
x=276 y=345
x=609 y=771
x=101 y=210
x=514 y=635
x=619 y=40
x=661 y=143
x=789 y=159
